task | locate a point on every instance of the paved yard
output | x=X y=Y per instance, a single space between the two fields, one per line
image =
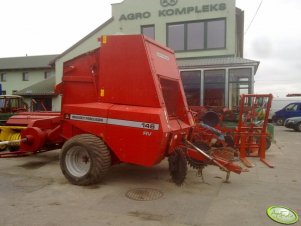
x=34 y=192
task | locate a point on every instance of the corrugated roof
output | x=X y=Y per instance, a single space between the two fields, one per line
x=27 y=62
x=43 y=88
x=215 y=62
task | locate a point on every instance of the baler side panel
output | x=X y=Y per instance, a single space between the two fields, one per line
x=125 y=74
x=138 y=136
x=79 y=83
x=85 y=118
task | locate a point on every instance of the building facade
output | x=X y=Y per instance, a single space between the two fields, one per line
x=31 y=77
x=206 y=35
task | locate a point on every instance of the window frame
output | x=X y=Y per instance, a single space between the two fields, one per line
x=230 y=83
x=3 y=77
x=197 y=73
x=47 y=74
x=148 y=26
x=185 y=23
x=25 y=76
x=223 y=82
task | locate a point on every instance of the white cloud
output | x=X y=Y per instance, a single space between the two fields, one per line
x=274 y=40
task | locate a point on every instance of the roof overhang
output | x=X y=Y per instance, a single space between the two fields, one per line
x=191 y=63
x=43 y=88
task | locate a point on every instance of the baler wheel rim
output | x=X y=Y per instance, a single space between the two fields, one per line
x=78 y=161
x=89 y=148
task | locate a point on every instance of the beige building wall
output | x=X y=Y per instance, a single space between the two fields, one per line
x=154 y=15
x=14 y=79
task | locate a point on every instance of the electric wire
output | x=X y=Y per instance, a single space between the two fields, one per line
x=258 y=8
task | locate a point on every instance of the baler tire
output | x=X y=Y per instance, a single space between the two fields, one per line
x=178 y=166
x=97 y=155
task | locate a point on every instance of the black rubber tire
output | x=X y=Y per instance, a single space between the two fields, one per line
x=298 y=127
x=98 y=154
x=279 y=122
x=178 y=166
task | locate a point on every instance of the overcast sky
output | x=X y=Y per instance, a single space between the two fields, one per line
x=36 y=27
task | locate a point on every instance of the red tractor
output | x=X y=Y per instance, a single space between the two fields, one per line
x=121 y=103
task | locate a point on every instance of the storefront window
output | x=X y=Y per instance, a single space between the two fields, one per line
x=148 y=30
x=214 y=88
x=192 y=86
x=176 y=36
x=197 y=35
x=216 y=31
x=239 y=83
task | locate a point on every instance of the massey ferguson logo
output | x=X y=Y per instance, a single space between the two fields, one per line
x=166 y=3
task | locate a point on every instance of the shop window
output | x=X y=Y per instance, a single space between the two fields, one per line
x=3 y=77
x=3 y=92
x=214 y=88
x=239 y=83
x=192 y=86
x=176 y=37
x=149 y=31
x=25 y=76
x=41 y=104
x=197 y=35
x=216 y=31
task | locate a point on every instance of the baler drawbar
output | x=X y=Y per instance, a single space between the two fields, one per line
x=121 y=103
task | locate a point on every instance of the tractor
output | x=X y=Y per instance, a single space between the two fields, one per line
x=121 y=103
x=10 y=105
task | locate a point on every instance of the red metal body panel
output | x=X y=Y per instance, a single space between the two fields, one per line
x=133 y=82
x=129 y=93
x=135 y=100
x=27 y=118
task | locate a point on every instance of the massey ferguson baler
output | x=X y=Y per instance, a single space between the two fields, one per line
x=121 y=103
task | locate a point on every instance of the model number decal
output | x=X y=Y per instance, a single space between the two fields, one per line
x=116 y=122
x=151 y=126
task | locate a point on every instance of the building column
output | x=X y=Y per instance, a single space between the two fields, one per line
x=252 y=80
x=202 y=91
x=227 y=88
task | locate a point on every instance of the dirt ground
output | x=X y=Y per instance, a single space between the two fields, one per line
x=33 y=192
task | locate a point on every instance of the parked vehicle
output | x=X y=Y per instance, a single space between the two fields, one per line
x=289 y=111
x=280 y=103
x=10 y=105
x=293 y=123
